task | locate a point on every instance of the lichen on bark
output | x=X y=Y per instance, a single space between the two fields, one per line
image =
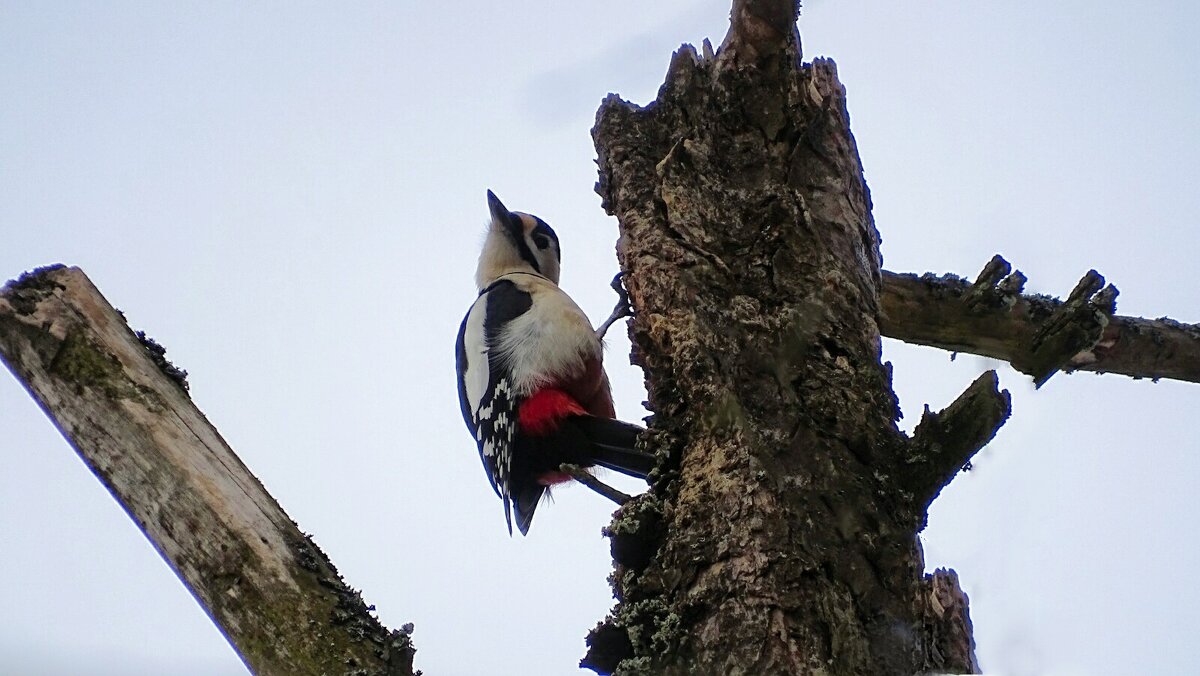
x=87 y=365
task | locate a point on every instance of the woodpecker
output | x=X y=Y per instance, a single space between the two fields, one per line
x=531 y=378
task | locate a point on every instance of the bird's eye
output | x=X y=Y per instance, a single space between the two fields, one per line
x=542 y=241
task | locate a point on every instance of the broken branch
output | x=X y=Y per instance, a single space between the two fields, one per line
x=1036 y=334
x=945 y=442
x=274 y=594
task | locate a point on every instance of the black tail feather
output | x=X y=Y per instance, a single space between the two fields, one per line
x=613 y=445
x=524 y=501
x=582 y=440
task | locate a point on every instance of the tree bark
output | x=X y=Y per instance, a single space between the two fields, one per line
x=1038 y=335
x=780 y=533
x=274 y=594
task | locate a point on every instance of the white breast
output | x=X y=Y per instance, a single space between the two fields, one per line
x=548 y=343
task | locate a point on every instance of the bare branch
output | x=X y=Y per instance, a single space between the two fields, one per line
x=581 y=475
x=945 y=442
x=274 y=594
x=1038 y=335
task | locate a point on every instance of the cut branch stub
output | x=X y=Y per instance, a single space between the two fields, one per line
x=1012 y=286
x=945 y=442
x=992 y=273
x=274 y=594
x=995 y=287
x=1075 y=327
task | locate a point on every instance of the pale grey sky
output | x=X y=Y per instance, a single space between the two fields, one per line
x=289 y=197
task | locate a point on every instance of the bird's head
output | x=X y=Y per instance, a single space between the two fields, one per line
x=517 y=242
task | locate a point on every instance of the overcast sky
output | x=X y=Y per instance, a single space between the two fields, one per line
x=289 y=197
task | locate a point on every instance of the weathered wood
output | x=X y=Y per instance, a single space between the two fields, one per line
x=1038 y=335
x=944 y=442
x=273 y=593
x=780 y=534
x=948 y=620
x=760 y=30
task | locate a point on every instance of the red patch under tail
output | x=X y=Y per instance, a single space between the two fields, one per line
x=541 y=413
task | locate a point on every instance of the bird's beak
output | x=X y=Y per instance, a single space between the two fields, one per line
x=500 y=213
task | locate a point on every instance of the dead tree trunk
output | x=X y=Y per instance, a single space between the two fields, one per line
x=781 y=534
x=274 y=594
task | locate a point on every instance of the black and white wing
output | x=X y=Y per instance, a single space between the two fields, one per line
x=485 y=389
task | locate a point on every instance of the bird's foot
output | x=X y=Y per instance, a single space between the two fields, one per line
x=623 y=308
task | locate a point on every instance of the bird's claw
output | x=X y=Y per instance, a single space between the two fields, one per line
x=623 y=308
